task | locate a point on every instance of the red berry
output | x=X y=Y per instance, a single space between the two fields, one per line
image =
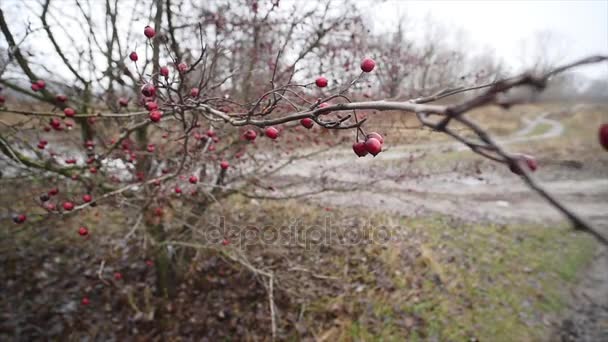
x=150 y=263
x=123 y=102
x=373 y=146
x=2 y=99
x=523 y=160
x=93 y=169
x=53 y=192
x=164 y=71
x=225 y=242
x=148 y=90
x=19 y=219
x=250 y=135
x=182 y=67
x=155 y=116
x=85 y=301
x=224 y=165
x=117 y=276
x=133 y=56
x=321 y=82
x=193 y=179
x=194 y=92
x=68 y=206
x=271 y=132
x=151 y=148
x=307 y=122
x=151 y=105
x=359 y=148
x=83 y=231
x=41 y=84
x=178 y=190
x=69 y=112
x=323 y=105
x=603 y=135
x=367 y=65
x=158 y=211
x=87 y=198
x=210 y=133
x=376 y=136
x=61 y=98
x=35 y=87
x=149 y=32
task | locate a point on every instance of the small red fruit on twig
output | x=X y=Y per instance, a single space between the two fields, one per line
x=523 y=161
x=376 y=136
x=164 y=71
x=224 y=165
x=155 y=116
x=182 y=67
x=271 y=132
x=194 y=92
x=123 y=102
x=87 y=198
x=151 y=105
x=85 y=301
x=61 y=98
x=117 y=276
x=321 y=82
x=373 y=146
x=133 y=56
x=193 y=180
x=148 y=90
x=149 y=32
x=69 y=206
x=69 y=112
x=367 y=65
x=359 y=149
x=83 y=231
x=307 y=122
x=603 y=135
x=250 y=135
x=19 y=219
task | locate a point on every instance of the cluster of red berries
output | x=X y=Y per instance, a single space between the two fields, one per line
x=372 y=145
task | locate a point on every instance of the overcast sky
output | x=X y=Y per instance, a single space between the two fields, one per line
x=580 y=26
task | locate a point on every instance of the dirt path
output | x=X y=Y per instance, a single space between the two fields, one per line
x=490 y=196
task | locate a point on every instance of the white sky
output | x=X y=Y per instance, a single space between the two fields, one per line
x=581 y=26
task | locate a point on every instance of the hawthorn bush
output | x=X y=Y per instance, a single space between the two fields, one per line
x=176 y=113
